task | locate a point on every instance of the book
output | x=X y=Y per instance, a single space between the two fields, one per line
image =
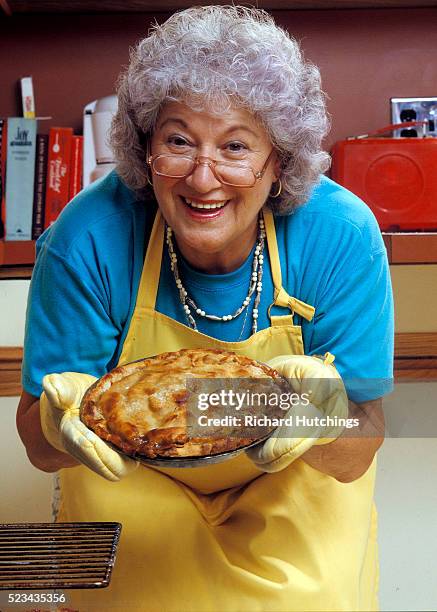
x=39 y=191
x=20 y=174
x=76 y=170
x=3 y=142
x=58 y=173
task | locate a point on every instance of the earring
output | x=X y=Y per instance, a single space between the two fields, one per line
x=148 y=179
x=149 y=182
x=278 y=193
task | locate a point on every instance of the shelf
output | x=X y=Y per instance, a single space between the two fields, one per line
x=411 y=247
x=16 y=259
x=416 y=345
x=12 y=7
x=10 y=370
x=416 y=356
x=15 y=272
x=17 y=252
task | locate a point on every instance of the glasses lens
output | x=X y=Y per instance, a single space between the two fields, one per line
x=235 y=174
x=173 y=166
x=178 y=167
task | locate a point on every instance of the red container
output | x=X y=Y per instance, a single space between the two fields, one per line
x=396 y=177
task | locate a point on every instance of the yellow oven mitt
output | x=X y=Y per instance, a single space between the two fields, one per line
x=314 y=378
x=63 y=429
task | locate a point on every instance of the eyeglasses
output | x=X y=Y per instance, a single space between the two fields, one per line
x=235 y=174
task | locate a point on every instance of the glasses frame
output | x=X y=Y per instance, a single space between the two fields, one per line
x=211 y=163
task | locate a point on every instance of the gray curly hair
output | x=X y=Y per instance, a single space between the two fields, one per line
x=214 y=58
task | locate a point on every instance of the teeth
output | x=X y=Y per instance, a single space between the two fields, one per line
x=205 y=206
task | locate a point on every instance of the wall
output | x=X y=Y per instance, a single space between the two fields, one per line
x=25 y=491
x=415 y=297
x=13 y=298
x=365 y=56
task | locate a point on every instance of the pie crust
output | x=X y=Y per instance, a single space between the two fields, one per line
x=145 y=408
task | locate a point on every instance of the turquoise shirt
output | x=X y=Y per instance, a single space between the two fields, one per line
x=88 y=267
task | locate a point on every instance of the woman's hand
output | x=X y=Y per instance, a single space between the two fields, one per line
x=322 y=395
x=41 y=454
x=343 y=453
x=62 y=428
x=350 y=456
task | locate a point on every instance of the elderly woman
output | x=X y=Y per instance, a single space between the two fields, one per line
x=217 y=230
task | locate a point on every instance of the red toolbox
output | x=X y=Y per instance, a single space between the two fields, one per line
x=396 y=177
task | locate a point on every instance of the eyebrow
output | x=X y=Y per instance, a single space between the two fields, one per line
x=232 y=128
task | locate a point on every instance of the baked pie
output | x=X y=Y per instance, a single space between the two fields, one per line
x=151 y=407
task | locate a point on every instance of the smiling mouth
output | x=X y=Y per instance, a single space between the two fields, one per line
x=200 y=206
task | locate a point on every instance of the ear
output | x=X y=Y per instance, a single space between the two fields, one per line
x=277 y=168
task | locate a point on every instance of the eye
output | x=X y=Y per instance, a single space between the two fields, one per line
x=236 y=147
x=177 y=141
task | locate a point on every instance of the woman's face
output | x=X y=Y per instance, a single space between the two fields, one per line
x=212 y=239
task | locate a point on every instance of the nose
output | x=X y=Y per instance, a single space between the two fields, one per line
x=202 y=179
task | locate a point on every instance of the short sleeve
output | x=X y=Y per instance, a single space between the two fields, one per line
x=68 y=327
x=354 y=320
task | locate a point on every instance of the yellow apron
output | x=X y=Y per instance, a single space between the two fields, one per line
x=227 y=537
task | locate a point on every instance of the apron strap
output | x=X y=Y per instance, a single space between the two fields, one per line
x=280 y=296
x=149 y=283
x=273 y=250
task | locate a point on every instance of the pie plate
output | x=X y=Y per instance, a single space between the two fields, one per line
x=184 y=462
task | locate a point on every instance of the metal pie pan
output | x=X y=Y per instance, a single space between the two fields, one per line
x=184 y=462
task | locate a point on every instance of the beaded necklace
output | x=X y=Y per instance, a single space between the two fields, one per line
x=255 y=285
